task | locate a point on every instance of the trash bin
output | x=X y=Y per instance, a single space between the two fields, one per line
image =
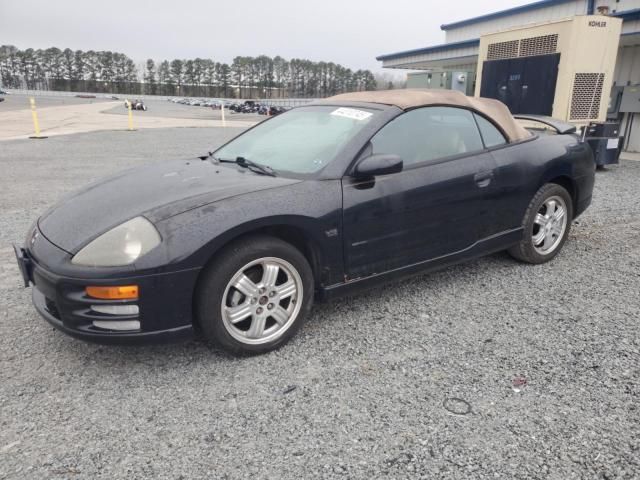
x=605 y=141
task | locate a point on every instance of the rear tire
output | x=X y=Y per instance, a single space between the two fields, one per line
x=546 y=223
x=254 y=296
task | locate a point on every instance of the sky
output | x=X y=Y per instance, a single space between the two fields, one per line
x=348 y=32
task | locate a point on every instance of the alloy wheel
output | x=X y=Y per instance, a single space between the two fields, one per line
x=262 y=300
x=549 y=225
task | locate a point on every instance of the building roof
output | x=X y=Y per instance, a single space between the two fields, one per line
x=435 y=48
x=409 y=98
x=633 y=14
x=625 y=15
x=504 y=13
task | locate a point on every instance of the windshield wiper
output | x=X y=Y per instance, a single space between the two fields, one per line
x=253 y=166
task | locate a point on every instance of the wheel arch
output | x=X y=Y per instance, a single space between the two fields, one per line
x=569 y=185
x=560 y=172
x=290 y=230
x=295 y=235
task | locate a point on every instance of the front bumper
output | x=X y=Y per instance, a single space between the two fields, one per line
x=164 y=302
x=108 y=336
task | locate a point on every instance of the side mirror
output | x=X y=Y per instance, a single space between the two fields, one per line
x=378 y=164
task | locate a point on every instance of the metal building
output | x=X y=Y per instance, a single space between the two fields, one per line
x=454 y=63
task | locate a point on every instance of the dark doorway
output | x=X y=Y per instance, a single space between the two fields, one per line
x=525 y=85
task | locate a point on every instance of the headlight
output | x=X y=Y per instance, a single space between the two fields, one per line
x=122 y=245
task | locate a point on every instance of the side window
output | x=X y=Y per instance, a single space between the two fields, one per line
x=490 y=134
x=429 y=133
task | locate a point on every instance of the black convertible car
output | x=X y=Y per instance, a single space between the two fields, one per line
x=319 y=201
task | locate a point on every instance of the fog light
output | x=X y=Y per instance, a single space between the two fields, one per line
x=117 y=324
x=116 y=309
x=122 y=292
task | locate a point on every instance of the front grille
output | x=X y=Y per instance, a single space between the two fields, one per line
x=52 y=308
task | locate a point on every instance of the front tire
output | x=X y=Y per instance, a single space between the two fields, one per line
x=254 y=296
x=546 y=223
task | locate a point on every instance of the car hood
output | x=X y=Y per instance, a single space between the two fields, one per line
x=157 y=191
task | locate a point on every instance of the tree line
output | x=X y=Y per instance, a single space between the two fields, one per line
x=116 y=73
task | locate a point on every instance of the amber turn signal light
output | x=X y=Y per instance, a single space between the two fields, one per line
x=123 y=292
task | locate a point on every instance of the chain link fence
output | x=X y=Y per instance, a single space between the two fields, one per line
x=276 y=102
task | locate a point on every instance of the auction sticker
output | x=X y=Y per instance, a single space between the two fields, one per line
x=352 y=113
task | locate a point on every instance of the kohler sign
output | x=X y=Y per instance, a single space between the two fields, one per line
x=597 y=23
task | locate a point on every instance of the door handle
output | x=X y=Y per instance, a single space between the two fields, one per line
x=483 y=179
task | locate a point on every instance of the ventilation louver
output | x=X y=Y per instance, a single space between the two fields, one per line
x=500 y=50
x=541 y=45
x=586 y=96
x=526 y=47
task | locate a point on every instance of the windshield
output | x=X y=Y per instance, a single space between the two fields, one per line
x=301 y=141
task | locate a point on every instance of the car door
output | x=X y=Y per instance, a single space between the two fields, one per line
x=437 y=205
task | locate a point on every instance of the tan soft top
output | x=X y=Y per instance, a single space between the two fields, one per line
x=420 y=97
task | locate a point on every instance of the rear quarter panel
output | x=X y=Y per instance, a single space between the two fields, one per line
x=521 y=169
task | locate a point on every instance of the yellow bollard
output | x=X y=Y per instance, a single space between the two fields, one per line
x=224 y=123
x=34 y=115
x=130 y=116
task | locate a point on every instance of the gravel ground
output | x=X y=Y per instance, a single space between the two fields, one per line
x=490 y=369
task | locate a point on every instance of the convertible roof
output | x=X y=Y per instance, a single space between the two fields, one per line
x=409 y=98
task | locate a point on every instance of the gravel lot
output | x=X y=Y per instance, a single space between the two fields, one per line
x=21 y=102
x=60 y=115
x=164 y=108
x=156 y=107
x=544 y=361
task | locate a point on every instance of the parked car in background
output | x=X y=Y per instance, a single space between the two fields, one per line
x=270 y=110
x=135 y=105
x=321 y=201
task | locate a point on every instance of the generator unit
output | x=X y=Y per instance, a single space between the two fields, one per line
x=562 y=69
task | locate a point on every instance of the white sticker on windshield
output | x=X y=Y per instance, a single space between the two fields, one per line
x=352 y=113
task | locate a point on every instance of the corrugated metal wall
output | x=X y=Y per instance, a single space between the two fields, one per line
x=619 y=5
x=628 y=66
x=475 y=30
x=633 y=139
x=556 y=12
x=628 y=73
x=414 y=60
x=631 y=26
